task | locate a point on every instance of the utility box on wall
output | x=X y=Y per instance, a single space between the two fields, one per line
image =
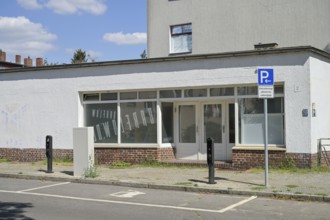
x=83 y=150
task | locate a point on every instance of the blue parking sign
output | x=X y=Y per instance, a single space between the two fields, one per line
x=265 y=77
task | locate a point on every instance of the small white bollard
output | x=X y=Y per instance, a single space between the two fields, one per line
x=83 y=150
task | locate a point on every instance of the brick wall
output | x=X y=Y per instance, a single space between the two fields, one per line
x=245 y=159
x=166 y=154
x=132 y=155
x=33 y=154
x=102 y=155
x=242 y=159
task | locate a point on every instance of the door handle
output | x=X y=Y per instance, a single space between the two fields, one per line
x=223 y=128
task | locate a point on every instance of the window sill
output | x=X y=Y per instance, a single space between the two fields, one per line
x=253 y=147
x=133 y=145
x=179 y=53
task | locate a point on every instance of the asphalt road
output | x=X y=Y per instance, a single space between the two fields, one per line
x=31 y=199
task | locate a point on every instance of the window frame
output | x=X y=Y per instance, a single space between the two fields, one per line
x=279 y=92
x=183 y=33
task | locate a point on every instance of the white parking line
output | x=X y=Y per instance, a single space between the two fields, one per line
x=238 y=204
x=132 y=203
x=42 y=187
x=127 y=194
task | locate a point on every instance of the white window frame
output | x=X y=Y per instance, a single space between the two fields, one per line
x=182 y=35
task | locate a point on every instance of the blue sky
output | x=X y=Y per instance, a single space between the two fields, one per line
x=54 y=29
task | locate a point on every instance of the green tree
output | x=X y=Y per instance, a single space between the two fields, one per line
x=79 y=56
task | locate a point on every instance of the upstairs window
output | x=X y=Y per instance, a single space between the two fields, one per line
x=181 y=38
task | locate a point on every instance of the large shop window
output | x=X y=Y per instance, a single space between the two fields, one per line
x=138 y=122
x=103 y=117
x=252 y=121
x=181 y=38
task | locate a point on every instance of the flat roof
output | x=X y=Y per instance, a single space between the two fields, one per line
x=174 y=58
x=10 y=65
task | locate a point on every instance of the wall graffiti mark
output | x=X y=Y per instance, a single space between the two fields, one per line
x=13 y=122
x=12 y=117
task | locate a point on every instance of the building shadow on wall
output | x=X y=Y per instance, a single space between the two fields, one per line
x=13 y=210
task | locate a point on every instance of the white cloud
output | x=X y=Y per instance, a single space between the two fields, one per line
x=94 y=55
x=29 y=4
x=21 y=36
x=96 y=7
x=130 y=38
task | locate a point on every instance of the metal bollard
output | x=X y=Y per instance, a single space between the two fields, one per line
x=210 y=159
x=49 y=153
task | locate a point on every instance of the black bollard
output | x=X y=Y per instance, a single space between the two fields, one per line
x=210 y=159
x=49 y=153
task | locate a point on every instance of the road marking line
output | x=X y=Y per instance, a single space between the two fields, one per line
x=238 y=204
x=130 y=203
x=42 y=187
x=127 y=194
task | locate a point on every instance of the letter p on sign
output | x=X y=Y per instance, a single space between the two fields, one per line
x=265 y=77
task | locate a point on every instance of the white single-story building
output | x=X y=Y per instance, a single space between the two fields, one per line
x=166 y=108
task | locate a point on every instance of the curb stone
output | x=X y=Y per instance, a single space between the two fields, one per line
x=299 y=197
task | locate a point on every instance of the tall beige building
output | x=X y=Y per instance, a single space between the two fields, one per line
x=177 y=27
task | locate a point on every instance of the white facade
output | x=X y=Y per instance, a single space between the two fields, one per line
x=224 y=26
x=36 y=102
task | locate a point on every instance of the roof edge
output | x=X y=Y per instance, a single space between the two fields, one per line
x=176 y=58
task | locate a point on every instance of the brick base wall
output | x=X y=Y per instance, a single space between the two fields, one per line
x=245 y=159
x=33 y=154
x=242 y=159
x=102 y=155
x=132 y=155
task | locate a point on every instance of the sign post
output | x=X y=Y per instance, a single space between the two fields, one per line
x=266 y=91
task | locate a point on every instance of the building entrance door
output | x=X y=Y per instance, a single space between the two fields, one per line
x=199 y=121
x=187 y=146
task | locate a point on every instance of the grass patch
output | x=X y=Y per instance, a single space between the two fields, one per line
x=152 y=163
x=287 y=164
x=91 y=172
x=120 y=164
x=289 y=169
x=258 y=188
x=291 y=186
x=39 y=163
x=65 y=161
x=321 y=194
x=5 y=160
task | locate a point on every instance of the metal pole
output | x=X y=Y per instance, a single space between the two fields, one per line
x=266 y=141
x=210 y=159
x=49 y=153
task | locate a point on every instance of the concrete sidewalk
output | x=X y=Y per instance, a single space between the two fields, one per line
x=304 y=186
